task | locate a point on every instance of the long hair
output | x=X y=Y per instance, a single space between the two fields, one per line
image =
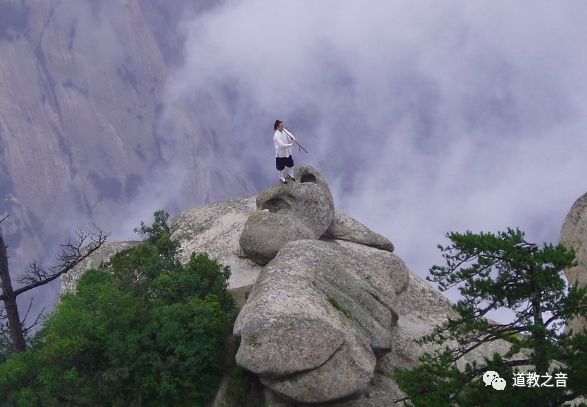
x=277 y=123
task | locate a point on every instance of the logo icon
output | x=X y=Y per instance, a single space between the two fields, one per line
x=491 y=378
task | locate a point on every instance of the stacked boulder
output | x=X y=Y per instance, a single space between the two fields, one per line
x=320 y=312
x=317 y=318
x=302 y=209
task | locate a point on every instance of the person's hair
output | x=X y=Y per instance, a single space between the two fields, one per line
x=277 y=123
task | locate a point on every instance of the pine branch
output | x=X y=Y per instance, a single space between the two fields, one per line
x=481 y=370
x=27 y=311
x=74 y=252
x=25 y=330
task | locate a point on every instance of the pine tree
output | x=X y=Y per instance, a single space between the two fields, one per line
x=496 y=272
x=144 y=330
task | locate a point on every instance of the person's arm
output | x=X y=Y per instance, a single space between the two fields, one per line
x=281 y=143
x=289 y=134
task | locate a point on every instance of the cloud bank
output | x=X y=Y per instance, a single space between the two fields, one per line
x=424 y=117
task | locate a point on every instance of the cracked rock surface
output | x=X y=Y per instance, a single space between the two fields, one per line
x=316 y=318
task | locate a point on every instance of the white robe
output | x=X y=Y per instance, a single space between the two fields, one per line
x=282 y=141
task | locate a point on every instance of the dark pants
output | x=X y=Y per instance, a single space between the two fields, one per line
x=282 y=162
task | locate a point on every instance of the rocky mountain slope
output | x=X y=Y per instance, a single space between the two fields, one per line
x=81 y=105
x=328 y=311
x=574 y=234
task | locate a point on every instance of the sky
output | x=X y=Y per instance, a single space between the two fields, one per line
x=425 y=117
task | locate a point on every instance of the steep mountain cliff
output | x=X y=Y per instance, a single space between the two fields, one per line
x=574 y=235
x=81 y=105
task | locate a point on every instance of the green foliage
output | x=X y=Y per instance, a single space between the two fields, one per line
x=502 y=271
x=244 y=388
x=159 y=226
x=5 y=343
x=149 y=331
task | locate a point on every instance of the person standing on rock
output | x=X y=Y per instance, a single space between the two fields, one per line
x=283 y=141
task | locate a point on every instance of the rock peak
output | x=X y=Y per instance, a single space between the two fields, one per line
x=326 y=306
x=574 y=235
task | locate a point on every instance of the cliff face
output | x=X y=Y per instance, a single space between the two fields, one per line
x=67 y=141
x=81 y=93
x=574 y=235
